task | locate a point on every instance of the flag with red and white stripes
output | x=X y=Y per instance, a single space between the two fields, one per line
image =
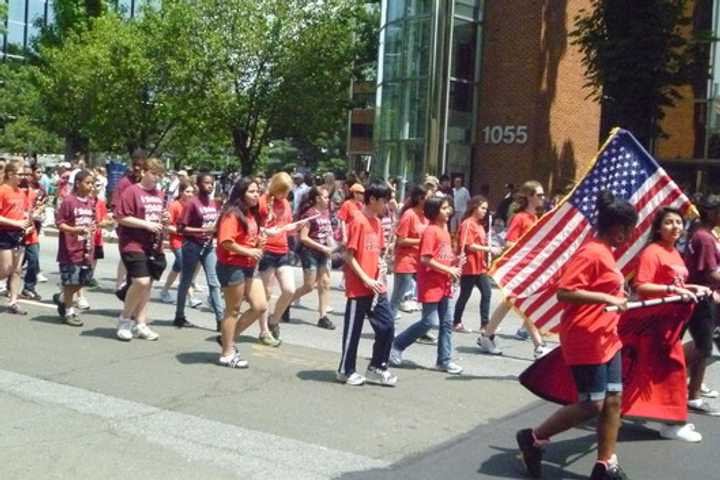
x=528 y=272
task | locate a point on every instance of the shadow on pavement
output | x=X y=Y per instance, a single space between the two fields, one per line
x=193 y=358
x=51 y=319
x=100 y=332
x=327 y=376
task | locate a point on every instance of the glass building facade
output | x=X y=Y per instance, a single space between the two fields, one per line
x=427 y=89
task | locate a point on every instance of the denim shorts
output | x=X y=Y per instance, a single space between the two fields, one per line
x=313 y=260
x=72 y=275
x=230 y=275
x=273 y=260
x=593 y=382
x=177 y=264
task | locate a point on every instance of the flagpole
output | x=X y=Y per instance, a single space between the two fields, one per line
x=655 y=301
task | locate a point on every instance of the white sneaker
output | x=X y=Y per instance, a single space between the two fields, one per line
x=407 y=306
x=451 y=368
x=42 y=278
x=417 y=306
x=487 y=345
x=83 y=304
x=380 y=377
x=685 y=433
x=395 y=357
x=541 y=350
x=166 y=297
x=144 y=332
x=327 y=310
x=354 y=379
x=124 y=330
x=233 y=361
x=708 y=392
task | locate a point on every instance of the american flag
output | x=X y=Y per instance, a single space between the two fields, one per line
x=528 y=272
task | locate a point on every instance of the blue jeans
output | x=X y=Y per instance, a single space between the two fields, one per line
x=401 y=287
x=192 y=253
x=32 y=266
x=431 y=313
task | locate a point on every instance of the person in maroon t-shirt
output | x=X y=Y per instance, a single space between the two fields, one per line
x=142 y=213
x=702 y=257
x=76 y=220
x=131 y=177
x=197 y=224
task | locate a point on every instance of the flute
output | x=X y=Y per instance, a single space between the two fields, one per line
x=489 y=239
x=655 y=301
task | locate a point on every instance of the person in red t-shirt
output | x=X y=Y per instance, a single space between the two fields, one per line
x=407 y=240
x=702 y=257
x=76 y=219
x=15 y=223
x=661 y=271
x=317 y=244
x=275 y=216
x=239 y=248
x=185 y=192
x=348 y=208
x=590 y=342
x=474 y=245
x=363 y=286
x=142 y=214
x=436 y=272
x=529 y=200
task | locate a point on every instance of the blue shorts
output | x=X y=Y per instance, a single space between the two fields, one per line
x=230 y=275
x=72 y=275
x=273 y=260
x=593 y=382
x=313 y=260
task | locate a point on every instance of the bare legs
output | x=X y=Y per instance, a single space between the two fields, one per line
x=232 y=326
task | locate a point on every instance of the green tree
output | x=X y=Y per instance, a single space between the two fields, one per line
x=635 y=54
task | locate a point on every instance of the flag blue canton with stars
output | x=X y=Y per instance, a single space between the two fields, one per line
x=622 y=167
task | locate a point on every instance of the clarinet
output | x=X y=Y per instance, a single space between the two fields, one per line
x=462 y=260
x=89 y=238
x=160 y=236
x=489 y=239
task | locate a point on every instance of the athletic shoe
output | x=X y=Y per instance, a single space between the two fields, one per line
x=541 y=350
x=73 y=320
x=685 y=433
x=195 y=302
x=395 y=359
x=267 y=339
x=83 y=304
x=522 y=334
x=703 y=408
x=57 y=300
x=461 y=328
x=181 y=322
x=124 y=330
x=407 y=306
x=354 y=379
x=602 y=471
x=166 y=297
x=708 y=392
x=380 y=377
x=427 y=339
x=286 y=316
x=326 y=323
x=531 y=452
x=41 y=278
x=487 y=345
x=451 y=368
x=141 y=330
x=329 y=309
x=30 y=295
x=233 y=361
x=275 y=330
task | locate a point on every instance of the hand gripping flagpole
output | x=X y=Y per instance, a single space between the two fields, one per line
x=656 y=301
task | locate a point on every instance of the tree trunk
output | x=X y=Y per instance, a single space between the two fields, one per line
x=76 y=145
x=242 y=151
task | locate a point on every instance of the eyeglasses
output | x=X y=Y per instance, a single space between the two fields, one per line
x=540 y=195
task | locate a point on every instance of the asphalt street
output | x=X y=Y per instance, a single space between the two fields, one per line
x=77 y=403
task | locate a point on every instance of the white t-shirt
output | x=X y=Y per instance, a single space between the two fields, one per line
x=461 y=197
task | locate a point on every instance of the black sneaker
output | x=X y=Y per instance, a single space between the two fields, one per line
x=275 y=330
x=326 y=323
x=57 y=300
x=531 y=453
x=607 y=472
x=30 y=295
x=181 y=322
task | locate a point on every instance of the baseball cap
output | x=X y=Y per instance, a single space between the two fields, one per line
x=357 y=188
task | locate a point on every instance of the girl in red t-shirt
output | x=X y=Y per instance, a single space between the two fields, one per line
x=186 y=190
x=436 y=273
x=589 y=341
x=239 y=248
x=661 y=271
x=472 y=242
x=15 y=223
x=530 y=199
x=407 y=241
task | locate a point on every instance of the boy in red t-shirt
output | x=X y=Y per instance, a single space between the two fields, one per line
x=590 y=342
x=362 y=268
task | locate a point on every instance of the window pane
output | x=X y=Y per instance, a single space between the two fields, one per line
x=418 y=48
x=418 y=7
x=464 y=47
x=16 y=34
x=36 y=18
x=396 y=10
x=468 y=8
x=17 y=10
